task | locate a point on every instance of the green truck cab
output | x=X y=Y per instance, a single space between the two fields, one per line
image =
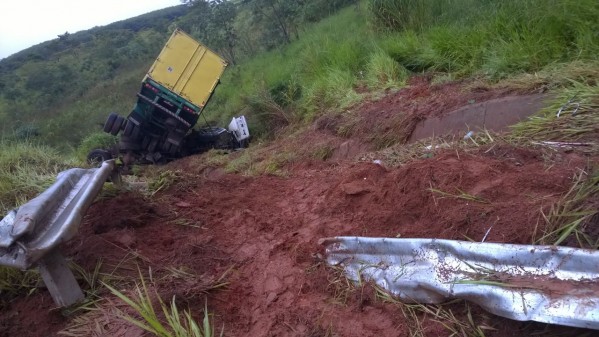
x=173 y=95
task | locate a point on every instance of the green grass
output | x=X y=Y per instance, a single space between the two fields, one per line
x=96 y=140
x=312 y=74
x=16 y=282
x=322 y=70
x=172 y=323
x=578 y=120
x=27 y=169
x=497 y=39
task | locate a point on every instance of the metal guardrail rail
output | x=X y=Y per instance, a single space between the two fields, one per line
x=30 y=235
x=549 y=284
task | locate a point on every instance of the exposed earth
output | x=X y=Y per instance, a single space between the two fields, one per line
x=259 y=234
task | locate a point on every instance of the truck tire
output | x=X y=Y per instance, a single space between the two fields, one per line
x=97 y=156
x=110 y=122
x=118 y=124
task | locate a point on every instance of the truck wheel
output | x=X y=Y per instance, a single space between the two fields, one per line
x=118 y=124
x=97 y=156
x=110 y=122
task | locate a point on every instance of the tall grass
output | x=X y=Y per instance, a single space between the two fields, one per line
x=495 y=38
x=374 y=45
x=578 y=120
x=573 y=214
x=300 y=80
x=26 y=169
x=377 y=44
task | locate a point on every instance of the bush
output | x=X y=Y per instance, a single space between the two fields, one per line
x=382 y=71
x=96 y=140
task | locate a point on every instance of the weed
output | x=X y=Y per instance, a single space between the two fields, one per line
x=96 y=140
x=341 y=287
x=276 y=164
x=516 y=36
x=174 y=323
x=571 y=214
x=216 y=157
x=384 y=72
x=162 y=181
x=14 y=281
x=396 y=132
x=459 y=195
x=416 y=314
x=243 y=163
x=323 y=152
x=578 y=118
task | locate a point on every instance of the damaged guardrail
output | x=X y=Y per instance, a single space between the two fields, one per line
x=549 y=284
x=31 y=234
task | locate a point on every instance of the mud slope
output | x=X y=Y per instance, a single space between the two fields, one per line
x=262 y=232
x=265 y=229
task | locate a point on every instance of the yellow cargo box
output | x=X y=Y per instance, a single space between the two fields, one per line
x=188 y=68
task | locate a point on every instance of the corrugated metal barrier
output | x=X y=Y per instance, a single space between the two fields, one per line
x=549 y=284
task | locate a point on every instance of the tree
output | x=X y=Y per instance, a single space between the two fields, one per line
x=213 y=23
x=64 y=36
x=283 y=15
x=221 y=28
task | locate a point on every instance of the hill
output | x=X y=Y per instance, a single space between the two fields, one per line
x=61 y=90
x=470 y=120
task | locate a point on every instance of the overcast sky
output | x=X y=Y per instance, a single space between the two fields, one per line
x=24 y=23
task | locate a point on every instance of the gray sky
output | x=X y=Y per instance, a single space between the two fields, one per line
x=24 y=23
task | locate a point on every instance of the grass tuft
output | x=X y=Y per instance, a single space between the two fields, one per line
x=173 y=324
x=570 y=216
x=27 y=169
x=458 y=195
x=162 y=180
x=14 y=281
x=578 y=120
x=383 y=72
x=96 y=140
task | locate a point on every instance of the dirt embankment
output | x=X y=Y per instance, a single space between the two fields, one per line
x=262 y=233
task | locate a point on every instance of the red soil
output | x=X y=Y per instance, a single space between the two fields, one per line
x=263 y=232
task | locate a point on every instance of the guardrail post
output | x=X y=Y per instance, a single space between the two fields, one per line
x=59 y=279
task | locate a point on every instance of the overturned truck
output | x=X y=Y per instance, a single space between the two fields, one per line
x=173 y=95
